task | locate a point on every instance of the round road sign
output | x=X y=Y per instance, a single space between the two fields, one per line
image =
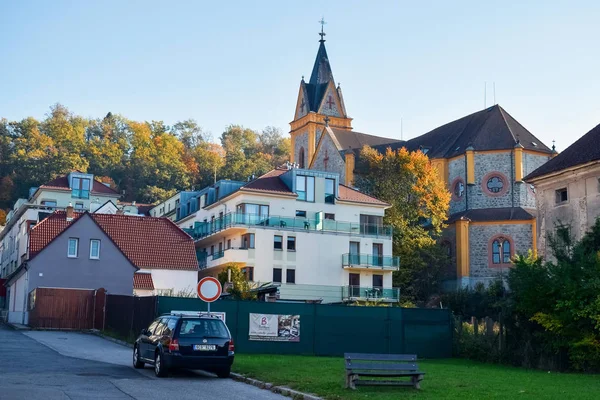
x=209 y=289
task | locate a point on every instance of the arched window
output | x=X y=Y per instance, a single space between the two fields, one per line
x=501 y=250
x=458 y=189
x=495 y=184
x=301 y=157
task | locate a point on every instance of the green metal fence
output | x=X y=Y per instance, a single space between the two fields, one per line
x=331 y=330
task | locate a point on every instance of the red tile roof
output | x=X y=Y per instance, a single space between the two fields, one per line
x=143 y=281
x=62 y=183
x=269 y=182
x=147 y=242
x=346 y=193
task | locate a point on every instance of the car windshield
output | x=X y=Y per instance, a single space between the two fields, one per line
x=203 y=328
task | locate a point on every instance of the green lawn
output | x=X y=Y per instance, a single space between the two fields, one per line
x=444 y=379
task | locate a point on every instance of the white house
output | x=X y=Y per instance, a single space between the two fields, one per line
x=301 y=230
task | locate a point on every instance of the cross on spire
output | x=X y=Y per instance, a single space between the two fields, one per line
x=322 y=33
x=326 y=120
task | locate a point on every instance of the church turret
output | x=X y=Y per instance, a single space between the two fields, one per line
x=318 y=98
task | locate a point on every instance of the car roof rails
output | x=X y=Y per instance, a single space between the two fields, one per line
x=204 y=314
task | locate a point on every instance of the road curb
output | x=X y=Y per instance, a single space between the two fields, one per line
x=16 y=327
x=283 y=390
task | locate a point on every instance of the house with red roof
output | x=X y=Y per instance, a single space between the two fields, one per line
x=123 y=254
x=303 y=232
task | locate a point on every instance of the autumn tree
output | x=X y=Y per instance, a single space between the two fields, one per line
x=419 y=208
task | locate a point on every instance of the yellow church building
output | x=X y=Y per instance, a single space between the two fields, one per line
x=482 y=157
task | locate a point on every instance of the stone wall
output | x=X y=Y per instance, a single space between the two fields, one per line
x=485 y=163
x=456 y=169
x=479 y=246
x=524 y=192
x=301 y=141
x=335 y=162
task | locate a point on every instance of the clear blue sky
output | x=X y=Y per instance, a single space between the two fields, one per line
x=241 y=62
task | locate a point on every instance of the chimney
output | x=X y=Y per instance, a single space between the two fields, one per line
x=70 y=212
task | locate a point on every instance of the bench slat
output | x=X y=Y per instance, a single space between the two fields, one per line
x=384 y=374
x=380 y=367
x=380 y=357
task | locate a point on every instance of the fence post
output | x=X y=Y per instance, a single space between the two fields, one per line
x=489 y=326
x=475 y=323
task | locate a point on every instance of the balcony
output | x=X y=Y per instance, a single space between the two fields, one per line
x=227 y=256
x=369 y=261
x=360 y=293
x=205 y=229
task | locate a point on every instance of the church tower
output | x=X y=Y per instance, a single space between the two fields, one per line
x=320 y=103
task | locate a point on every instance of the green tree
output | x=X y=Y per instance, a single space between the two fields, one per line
x=419 y=206
x=107 y=146
x=238 y=286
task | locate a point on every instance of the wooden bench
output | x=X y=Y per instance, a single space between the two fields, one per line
x=382 y=366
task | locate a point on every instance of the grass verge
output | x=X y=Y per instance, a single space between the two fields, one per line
x=444 y=379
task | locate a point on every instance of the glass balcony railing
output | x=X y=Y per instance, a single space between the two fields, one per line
x=80 y=193
x=204 y=229
x=371 y=261
x=370 y=293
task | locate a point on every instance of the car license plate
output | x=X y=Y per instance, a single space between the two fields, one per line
x=205 y=347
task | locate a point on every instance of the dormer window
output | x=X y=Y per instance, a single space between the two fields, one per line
x=80 y=188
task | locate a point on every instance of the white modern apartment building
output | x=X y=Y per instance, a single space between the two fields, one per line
x=76 y=188
x=300 y=230
x=169 y=207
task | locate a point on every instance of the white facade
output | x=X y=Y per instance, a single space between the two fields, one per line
x=317 y=253
x=167 y=208
x=17 y=301
x=170 y=282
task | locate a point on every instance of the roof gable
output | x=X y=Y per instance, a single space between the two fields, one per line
x=356 y=140
x=62 y=183
x=146 y=242
x=583 y=151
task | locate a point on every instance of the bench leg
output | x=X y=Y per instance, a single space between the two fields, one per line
x=416 y=381
x=351 y=381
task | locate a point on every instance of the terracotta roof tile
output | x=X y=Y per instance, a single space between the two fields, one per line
x=143 y=281
x=147 y=242
x=269 y=182
x=62 y=183
x=346 y=193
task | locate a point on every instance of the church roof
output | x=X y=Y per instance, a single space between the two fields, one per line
x=319 y=79
x=489 y=129
x=583 y=151
x=492 y=214
x=356 y=140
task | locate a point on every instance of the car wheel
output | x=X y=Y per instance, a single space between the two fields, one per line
x=224 y=373
x=160 y=369
x=136 y=359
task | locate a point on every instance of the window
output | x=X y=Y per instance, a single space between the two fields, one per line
x=378 y=254
x=49 y=203
x=370 y=224
x=458 y=189
x=79 y=205
x=278 y=242
x=290 y=276
x=494 y=184
x=501 y=250
x=80 y=188
x=277 y=275
x=212 y=249
x=329 y=191
x=200 y=328
x=73 y=248
x=378 y=281
x=291 y=243
x=248 y=273
x=301 y=157
x=561 y=195
x=228 y=243
x=305 y=187
x=330 y=216
x=262 y=211
x=248 y=241
x=300 y=213
x=94 y=249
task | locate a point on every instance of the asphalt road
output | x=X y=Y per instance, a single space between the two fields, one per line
x=51 y=367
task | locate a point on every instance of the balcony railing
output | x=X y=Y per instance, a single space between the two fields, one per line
x=204 y=229
x=370 y=293
x=371 y=261
x=204 y=259
x=80 y=193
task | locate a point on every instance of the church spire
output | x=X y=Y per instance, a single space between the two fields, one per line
x=321 y=72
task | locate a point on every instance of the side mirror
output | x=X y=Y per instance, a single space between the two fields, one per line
x=144 y=332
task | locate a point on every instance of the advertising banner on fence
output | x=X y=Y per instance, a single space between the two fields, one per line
x=274 y=328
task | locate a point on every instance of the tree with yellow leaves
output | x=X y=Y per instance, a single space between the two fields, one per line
x=420 y=202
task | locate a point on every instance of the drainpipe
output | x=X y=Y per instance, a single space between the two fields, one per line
x=512 y=179
x=26 y=295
